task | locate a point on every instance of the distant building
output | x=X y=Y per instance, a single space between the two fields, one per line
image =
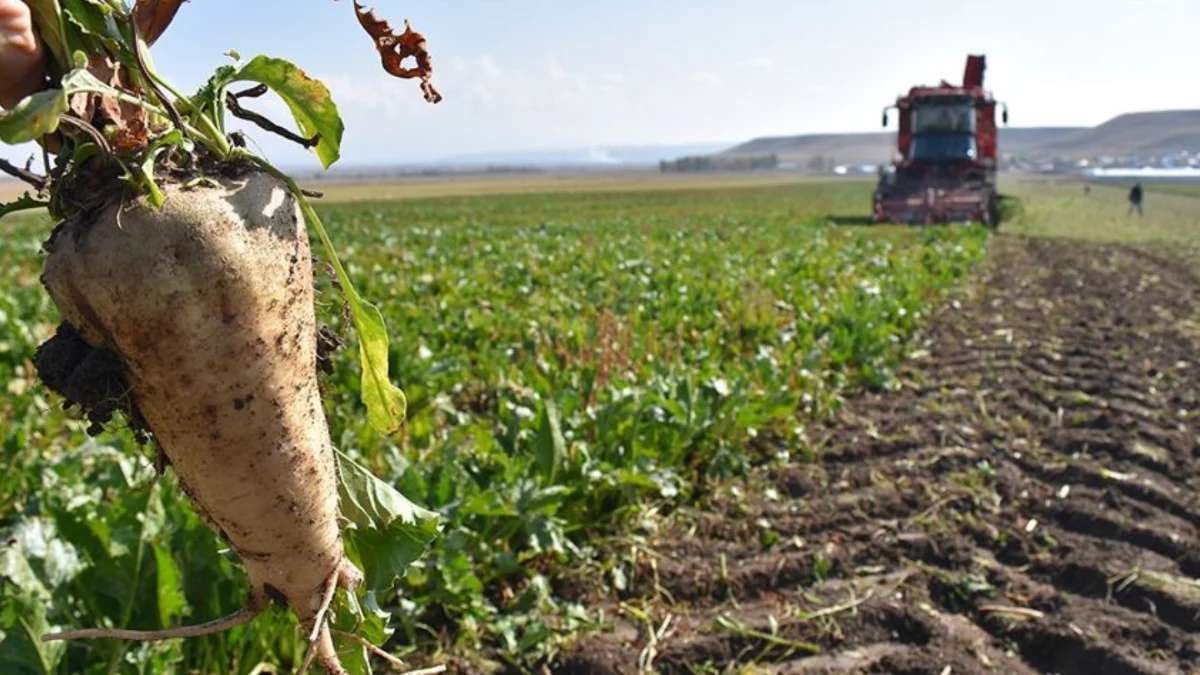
x=1182 y=174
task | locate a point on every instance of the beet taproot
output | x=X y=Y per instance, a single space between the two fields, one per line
x=208 y=303
x=182 y=269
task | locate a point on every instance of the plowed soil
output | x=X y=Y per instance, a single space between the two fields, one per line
x=1028 y=501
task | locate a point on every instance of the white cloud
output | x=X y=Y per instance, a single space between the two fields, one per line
x=495 y=105
x=558 y=74
x=481 y=94
x=380 y=95
x=763 y=62
x=487 y=65
x=564 y=81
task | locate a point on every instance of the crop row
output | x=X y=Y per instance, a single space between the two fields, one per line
x=576 y=364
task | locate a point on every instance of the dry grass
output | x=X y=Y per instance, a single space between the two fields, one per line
x=600 y=181
x=416 y=187
x=1060 y=208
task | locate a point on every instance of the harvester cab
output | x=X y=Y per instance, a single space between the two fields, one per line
x=946 y=154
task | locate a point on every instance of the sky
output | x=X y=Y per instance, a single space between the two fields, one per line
x=548 y=74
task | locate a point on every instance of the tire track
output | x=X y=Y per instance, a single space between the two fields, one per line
x=1027 y=502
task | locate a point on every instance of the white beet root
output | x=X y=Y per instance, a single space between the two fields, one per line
x=208 y=302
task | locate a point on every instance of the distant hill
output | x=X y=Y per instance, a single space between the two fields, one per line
x=1143 y=133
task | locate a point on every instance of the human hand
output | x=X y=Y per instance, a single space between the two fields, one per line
x=22 y=55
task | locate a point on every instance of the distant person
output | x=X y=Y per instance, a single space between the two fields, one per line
x=1135 y=199
x=1087 y=189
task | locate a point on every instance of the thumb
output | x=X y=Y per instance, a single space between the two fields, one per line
x=22 y=55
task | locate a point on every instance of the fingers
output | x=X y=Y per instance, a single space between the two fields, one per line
x=22 y=55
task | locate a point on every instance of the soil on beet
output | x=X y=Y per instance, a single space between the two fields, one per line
x=328 y=343
x=1026 y=501
x=92 y=379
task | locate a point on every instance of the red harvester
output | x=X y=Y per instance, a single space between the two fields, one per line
x=946 y=171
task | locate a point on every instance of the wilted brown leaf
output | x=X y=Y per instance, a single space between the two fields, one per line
x=393 y=49
x=153 y=17
x=124 y=124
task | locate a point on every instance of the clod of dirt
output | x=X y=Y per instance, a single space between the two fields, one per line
x=598 y=659
x=328 y=342
x=93 y=379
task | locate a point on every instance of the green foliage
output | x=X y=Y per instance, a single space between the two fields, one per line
x=1191 y=189
x=23 y=203
x=575 y=364
x=1062 y=209
x=386 y=535
x=47 y=15
x=33 y=117
x=389 y=532
x=102 y=545
x=1011 y=208
x=308 y=99
x=382 y=541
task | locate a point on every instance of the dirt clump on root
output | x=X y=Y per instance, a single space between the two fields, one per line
x=90 y=378
x=1027 y=502
x=94 y=380
x=328 y=343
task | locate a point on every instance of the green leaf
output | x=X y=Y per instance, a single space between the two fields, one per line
x=22 y=203
x=309 y=100
x=352 y=655
x=81 y=79
x=549 y=445
x=386 y=554
x=370 y=503
x=168 y=586
x=146 y=168
x=386 y=403
x=48 y=17
x=210 y=99
x=374 y=625
x=15 y=567
x=99 y=27
x=34 y=117
x=22 y=624
x=94 y=20
x=348 y=617
x=389 y=532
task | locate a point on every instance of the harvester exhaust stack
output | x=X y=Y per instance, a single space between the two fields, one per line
x=973 y=74
x=947 y=147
